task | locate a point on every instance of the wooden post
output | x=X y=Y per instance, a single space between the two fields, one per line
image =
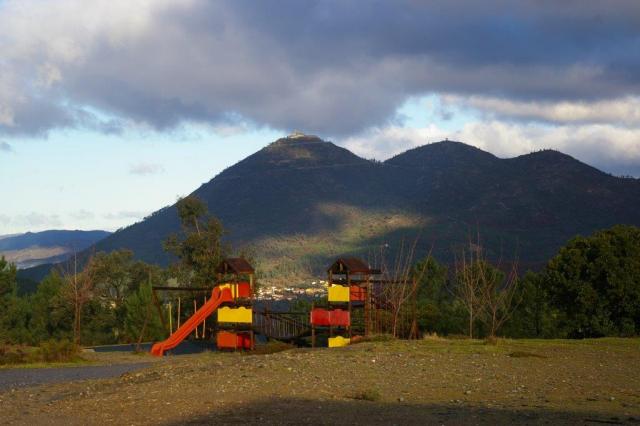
x=349 y=329
x=367 y=308
x=144 y=327
x=178 y=313
x=313 y=328
x=204 y=322
x=195 y=309
x=157 y=303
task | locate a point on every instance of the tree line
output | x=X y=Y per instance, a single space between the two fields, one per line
x=591 y=288
x=107 y=298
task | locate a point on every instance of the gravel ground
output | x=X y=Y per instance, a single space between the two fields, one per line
x=13 y=378
x=395 y=382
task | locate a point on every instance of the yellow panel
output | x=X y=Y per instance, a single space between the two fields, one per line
x=241 y=314
x=336 y=342
x=338 y=293
x=232 y=287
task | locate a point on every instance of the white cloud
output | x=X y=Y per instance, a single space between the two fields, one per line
x=623 y=111
x=144 y=169
x=32 y=221
x=82 y=215
x=610 y=148
x=125 y=215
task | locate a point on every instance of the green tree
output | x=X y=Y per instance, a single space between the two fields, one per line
x=594 y=282
x=8 y=296
x=112 y=276
x=142 y=322
x=8 y=282
x=534 y=316
x=433 y=299
x=199 y=249
x=50 y=313
x=118 y=279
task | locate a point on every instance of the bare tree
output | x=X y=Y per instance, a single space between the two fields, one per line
x=468 y=287
x=77 y=291
x=485 y=291
x=401 y=281
x=498 y=291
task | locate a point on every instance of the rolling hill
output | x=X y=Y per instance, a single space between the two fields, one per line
x=301 y=201
x=37 y=248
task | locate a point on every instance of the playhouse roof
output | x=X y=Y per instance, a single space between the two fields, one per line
x=235 y=265
x=351 y=265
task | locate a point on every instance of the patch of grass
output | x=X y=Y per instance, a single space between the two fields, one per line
x=271 y=348
x=375 y=338
x=432 y=336
x=372 y=395
x=458 y=337
x=491 y=340
x=524 y=354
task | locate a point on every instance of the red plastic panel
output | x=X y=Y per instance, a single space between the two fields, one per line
x=320 y=317
x=244 y=289
x=337 y=317
x=229 y=340
x=358 y=294
x=340 y=318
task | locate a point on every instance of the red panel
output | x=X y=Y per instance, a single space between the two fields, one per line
x=320 y=317
x=337 y=317
x=340 y=318
x=244 y=289
x=358 y=294
x=228 y=340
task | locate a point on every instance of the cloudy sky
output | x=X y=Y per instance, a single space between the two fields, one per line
x=111 y=109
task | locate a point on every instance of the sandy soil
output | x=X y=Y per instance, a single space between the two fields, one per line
x=396 y=382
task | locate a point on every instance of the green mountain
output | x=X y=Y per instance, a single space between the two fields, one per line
x=300 y=202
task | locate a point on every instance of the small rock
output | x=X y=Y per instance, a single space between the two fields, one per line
x=467 y=392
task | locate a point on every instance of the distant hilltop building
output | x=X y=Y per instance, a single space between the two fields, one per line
x=299 y=135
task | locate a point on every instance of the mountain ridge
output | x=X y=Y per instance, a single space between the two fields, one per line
x=301 y=201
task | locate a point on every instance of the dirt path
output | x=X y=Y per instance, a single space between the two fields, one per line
x=15 y=378
x=424 y=382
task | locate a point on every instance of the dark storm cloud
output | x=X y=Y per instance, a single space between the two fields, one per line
x=331 y=67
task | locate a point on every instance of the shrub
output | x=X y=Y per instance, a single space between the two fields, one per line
x=58 y=351
x=9 y=355
x=367 y=395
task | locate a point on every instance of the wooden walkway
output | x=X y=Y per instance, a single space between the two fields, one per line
x=285 y=326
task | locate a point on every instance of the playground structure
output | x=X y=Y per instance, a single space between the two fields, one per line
x=357 y=305
x=350 y=287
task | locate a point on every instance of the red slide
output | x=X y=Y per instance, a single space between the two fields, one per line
x=217 y=298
